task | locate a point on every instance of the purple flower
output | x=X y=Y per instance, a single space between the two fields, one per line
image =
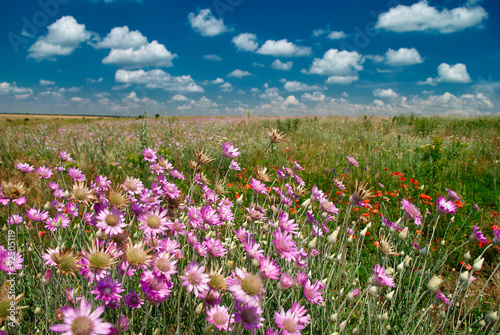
x=258 y=187
x=82 y=320
x=313 y=292
x=229 y=151
x=352 y=161
x=177 y=174
x=380 y=278
x=442 y=297
x=234 y=166
x=133 y=300
x=65 y=157
x=411 y=212
x=24 y=167
x=287 y=225
x=195 y=280
x=496 y=238
x=452 y=195
x=296 y=166
x=60 y=220
x=445 y=206
x=249 y=316
x=390 y=224
x=478 y=235
x=292 y=321
x=108 y=290
x=149 y=155
x=36 y=214
x=219 y=316
x=44 y=172
x=157 y=288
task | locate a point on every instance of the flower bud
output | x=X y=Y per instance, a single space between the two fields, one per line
x=333 y=317
x=403 y=234
x=373 y=291
x=464 y=276
x=38 y=311
x=434 y=283
x=199 y=308
x=492 y=316
x=390 y=295
x=364 y=231
x=401 y=266
x=312 y=244
x=47 y=276
x=478 y=264
x=351 y=296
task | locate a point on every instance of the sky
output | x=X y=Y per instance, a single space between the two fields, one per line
x=228 y=57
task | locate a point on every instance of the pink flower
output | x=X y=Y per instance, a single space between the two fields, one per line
x=380 y=278
x=285 y=246
x=229 y=151
x=352 y=161
x=76 y=174
x=215 y=247
x=81 y=321
x=412 y=212
x=269 y=269
x=258 y=187
x=313 y=292
x=443 y=298
x=65 y=157
x=286 y=281
x=292 y=321
x=153 y=221
x=36 y=214
x=149 y=155
x=157 y=288
x=24 y=167
x=247 y=288
x=234 y=166
x=478 y=235
x=195 y=279
x=44 y=172
x=219 y=316
x=445 y=206
x=111 y=221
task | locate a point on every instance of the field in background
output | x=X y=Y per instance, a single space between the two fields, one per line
x=400 y=157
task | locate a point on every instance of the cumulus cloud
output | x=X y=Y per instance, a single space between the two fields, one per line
x=179 y=97
x=152 y=54
x=388 y=93
x=63 y=37
x=239 y=73
x=403 y=56
x=291 y=100
x=315 y=96
x=206 y=24
x=123 y=38
x=214 y=58
x=456 y=74
x=44 y=82
x=293 y=86
x=342 y=80
x=422 y=17
x=246 y=42
x=337 y=63
x=157 y=79
x=283 y=48
x=279 y=65
x=12 y=90
x=336 y=35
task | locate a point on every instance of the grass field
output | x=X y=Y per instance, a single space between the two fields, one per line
x=318 y=231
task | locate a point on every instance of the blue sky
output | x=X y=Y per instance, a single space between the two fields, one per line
x=224 y=57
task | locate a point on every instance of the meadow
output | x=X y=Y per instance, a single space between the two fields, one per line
x=242 y=225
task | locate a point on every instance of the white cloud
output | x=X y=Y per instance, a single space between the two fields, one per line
x=319 y=31
x=93 y=81
x=283 y=48
x=206 y=24
x=291 y=100
x=344 y=94
x=379 y=103
x=239 y=73
x=123 y=38
x=217 y=81
x=214 y=58
x=456 y=74
x=157 y=79
x=343 y=80
x=246 y=42
x=315 y=96
x=388 y=93
x=403 y=56
x=179 y=97
x=152 y=54
x=336 y=35
x=64 y=36
x=453 y=74
x=293 y=86
x=337 y=63
x=279 y=65
x=226 y=87
x=44 y=82
x=12 y=90
x=422 y=17
x=80 y=100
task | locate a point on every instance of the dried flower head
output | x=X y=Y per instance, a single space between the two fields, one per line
x=192 y=164
x=217 y=281
x=386 y=248
x=298 y=191
x=260 y=174
x=117 y=197
x=136 y=254
x=81 y=193
x=361 y=192
x=220 y=187
x=201 y=157
x=10 y=190
x=275 y=136
x=66 y=262
x=9 y=302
